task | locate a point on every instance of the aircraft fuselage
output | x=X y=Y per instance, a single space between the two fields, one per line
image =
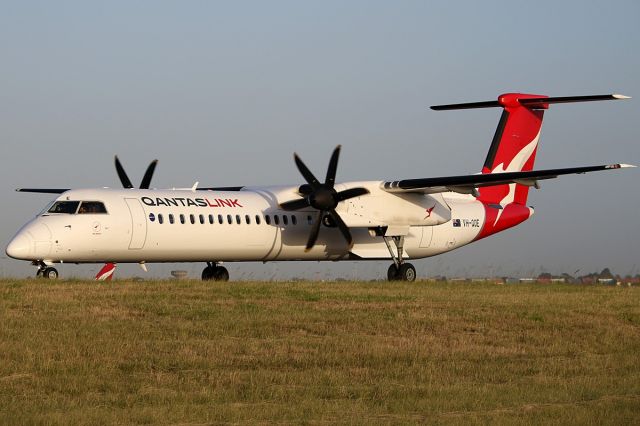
x=245 y=225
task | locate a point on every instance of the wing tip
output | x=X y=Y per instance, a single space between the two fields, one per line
x=619 y=96
x=626 y=166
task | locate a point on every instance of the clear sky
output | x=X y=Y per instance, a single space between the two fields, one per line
x=224 y=93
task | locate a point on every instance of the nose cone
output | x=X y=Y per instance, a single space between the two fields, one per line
x=20 y=247
x=32 y=242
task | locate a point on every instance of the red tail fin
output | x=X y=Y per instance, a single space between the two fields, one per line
x=514 y=149
x=516 y=140
x=514 y=146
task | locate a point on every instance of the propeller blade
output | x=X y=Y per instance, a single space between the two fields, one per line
x=126 y=183
x=314 y=231
x=294 y=205
x=146 y=180
x=305 y=189
x=351 y=193
x=333 y=166
x=323 y=197
x=306 y=173
x=342 y=226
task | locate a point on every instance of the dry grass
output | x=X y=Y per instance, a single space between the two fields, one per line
x=197 y=353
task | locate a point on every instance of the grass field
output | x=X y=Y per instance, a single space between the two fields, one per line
x=195 y=353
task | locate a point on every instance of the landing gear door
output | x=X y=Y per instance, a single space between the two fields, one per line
x=138 y=224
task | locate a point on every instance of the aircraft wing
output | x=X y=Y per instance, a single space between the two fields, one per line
x=467 y=184
x=43 y=190
x=220 y=188
x=61 y=190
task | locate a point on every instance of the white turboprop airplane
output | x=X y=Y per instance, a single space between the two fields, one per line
x=373 y=220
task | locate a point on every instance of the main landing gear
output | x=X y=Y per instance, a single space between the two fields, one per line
x=45 y=271
x=399 y=270
x=214 y=272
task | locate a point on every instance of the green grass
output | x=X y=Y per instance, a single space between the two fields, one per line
x=196 y=353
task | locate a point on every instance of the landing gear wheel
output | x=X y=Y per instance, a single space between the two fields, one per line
x=207 y=273
x=407 y=272
x=215 y=273
x=399 y=270
x=221 y=274
x=392 y=273
x=50 y=273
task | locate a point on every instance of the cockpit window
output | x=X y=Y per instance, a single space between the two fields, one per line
x=92 y=207
x=46 y=208
x=71 y=207
x=68 y=207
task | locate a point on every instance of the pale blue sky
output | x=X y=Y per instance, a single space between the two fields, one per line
x=223 y=93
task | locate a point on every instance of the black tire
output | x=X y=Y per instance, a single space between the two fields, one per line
x=50 y=273
x=407 y=272
x=392 y=273
x=221 y=274
x=208 y=273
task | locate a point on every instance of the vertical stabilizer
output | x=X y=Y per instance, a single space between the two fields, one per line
x=513 y=149
x=514 y=146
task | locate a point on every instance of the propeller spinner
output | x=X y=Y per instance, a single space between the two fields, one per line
x=322 y=197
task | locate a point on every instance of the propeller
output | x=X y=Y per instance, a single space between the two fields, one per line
x=322 y=197
x=146 y=179
x=106 y=273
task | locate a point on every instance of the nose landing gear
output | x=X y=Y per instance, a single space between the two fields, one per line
x=46 y=272
x=214 y=272
x=50 y=273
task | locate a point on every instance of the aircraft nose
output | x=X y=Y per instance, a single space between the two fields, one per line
x=20 y=247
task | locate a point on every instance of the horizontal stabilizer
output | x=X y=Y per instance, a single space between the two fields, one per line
x=528 y=101
x=467 y=184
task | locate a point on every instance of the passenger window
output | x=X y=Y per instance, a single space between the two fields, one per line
x=160 y=219
x=276 y=219
x=211 y=219
x=92 y=207
x=285 y=219
x=238 y=221
x=152 y=217
x=171 y=221
x=192 y=218
x=68 y=207
x=267 y=219
x=229 y=219
x=182 y=219
x=247 y=219
x=257 y=219
x=294 y=219
x=220 y=221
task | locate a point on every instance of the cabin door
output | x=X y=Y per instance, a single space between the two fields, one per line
x=138 y=224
